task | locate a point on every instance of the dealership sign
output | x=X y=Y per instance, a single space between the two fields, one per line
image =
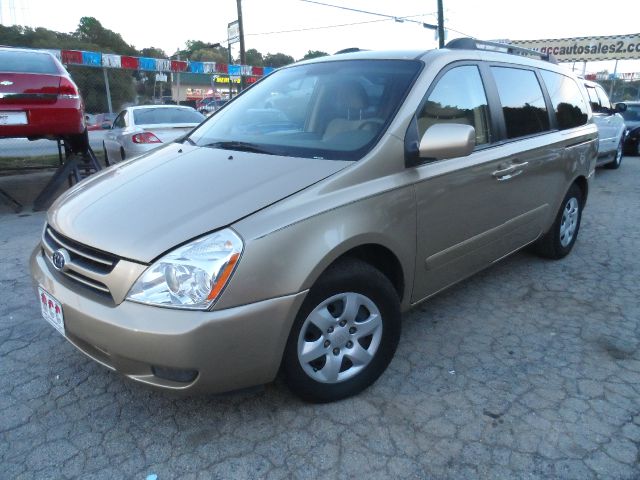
x=587 y=49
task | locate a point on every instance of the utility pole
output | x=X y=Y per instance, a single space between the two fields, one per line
x=613 y=80
x=440 y=24
x=106 y=86
x=178 y=76
x=243 y=58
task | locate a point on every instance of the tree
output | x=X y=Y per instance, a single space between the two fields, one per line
x=218 y=55
x=254 y=58
x=277 y=60
x=314 y=54
x=91 y=30
x=90 y=35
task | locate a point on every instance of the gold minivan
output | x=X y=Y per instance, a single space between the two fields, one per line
x=289 y=231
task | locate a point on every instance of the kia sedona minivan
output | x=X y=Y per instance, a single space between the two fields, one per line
x=290 y=236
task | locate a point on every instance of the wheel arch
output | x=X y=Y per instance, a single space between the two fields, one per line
x=583 y=185
x=378 y=256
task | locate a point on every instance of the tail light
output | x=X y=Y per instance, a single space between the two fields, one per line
x=68 y=89
x=145 y=137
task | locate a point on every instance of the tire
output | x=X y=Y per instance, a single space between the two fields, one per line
x=122 y=154
x=354 y=345
x=106 y=155
x=559 y=240
x=617 y=159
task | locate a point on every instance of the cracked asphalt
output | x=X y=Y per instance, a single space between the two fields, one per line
x=530 y=369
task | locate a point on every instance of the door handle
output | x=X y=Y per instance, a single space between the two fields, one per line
x=511 y=171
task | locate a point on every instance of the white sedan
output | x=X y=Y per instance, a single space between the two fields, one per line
x=137 y=130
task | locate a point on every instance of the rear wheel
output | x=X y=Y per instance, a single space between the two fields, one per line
x=344 y=335
x=559 y=240
x=617 y=160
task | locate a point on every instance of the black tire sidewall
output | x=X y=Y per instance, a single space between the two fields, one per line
x=106 y=155
x=615 y=164
x=574 y=192
x=349 y=276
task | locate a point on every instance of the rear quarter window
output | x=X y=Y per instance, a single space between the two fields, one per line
x=27 y=62
x=567 y=101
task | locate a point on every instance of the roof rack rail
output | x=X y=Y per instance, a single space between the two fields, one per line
x=475 y=44
x=349 y=50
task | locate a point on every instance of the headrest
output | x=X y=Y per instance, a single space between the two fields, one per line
x=351 y=95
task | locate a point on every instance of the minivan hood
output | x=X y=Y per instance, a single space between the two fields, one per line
x=141 y=208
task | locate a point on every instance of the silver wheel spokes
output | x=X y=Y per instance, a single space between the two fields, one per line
x=569 y=221
x=339 y=338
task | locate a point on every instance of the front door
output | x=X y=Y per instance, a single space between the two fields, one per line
x=472 y=211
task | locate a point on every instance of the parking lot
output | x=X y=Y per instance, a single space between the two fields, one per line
x=530 y=369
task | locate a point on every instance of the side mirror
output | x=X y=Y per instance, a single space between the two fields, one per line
x=447 y=140
x=620 y=107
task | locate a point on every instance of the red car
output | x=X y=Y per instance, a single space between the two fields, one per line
x=38 y=99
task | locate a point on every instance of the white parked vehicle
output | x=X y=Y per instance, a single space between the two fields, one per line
x=137 y=130
x=611 y=128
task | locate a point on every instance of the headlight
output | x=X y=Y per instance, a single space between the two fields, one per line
x=191 y=276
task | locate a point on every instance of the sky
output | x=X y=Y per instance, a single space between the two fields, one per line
x=168 y=25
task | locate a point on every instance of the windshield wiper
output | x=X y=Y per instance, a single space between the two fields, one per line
x=239 y=146
x=183 y=139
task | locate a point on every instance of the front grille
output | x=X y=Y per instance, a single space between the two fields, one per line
x=87 y=266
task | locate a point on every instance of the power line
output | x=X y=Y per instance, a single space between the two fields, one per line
x=390 y=17
x=343 y=24
x=461 y=33
x=318 y=28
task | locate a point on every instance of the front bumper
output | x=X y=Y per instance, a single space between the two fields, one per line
x=227 y=349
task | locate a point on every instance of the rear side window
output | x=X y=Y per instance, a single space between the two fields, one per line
x=458 y=97
x=567 y=101
x=525 y=112
x=15 y=61
x=604 y=100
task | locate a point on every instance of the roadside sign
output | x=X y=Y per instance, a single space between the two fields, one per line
x=233 y=32
x=583 y=49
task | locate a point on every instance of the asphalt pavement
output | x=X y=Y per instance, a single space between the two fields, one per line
x=530 y=369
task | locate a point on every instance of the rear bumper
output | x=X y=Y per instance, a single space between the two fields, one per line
x=225 y=350
x=132 y=150
x=65 y=117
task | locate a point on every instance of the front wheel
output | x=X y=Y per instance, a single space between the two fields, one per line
x=106 y=155
x=559 y=240
x=344 y=335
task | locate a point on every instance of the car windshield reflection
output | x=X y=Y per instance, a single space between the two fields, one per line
x=333 y=110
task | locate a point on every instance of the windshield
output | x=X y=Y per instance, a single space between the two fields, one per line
x=632 y=114
x=332 y=110
x=160 y=115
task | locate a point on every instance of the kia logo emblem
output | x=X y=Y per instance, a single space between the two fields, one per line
x=60 y=258
x=6 y=83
